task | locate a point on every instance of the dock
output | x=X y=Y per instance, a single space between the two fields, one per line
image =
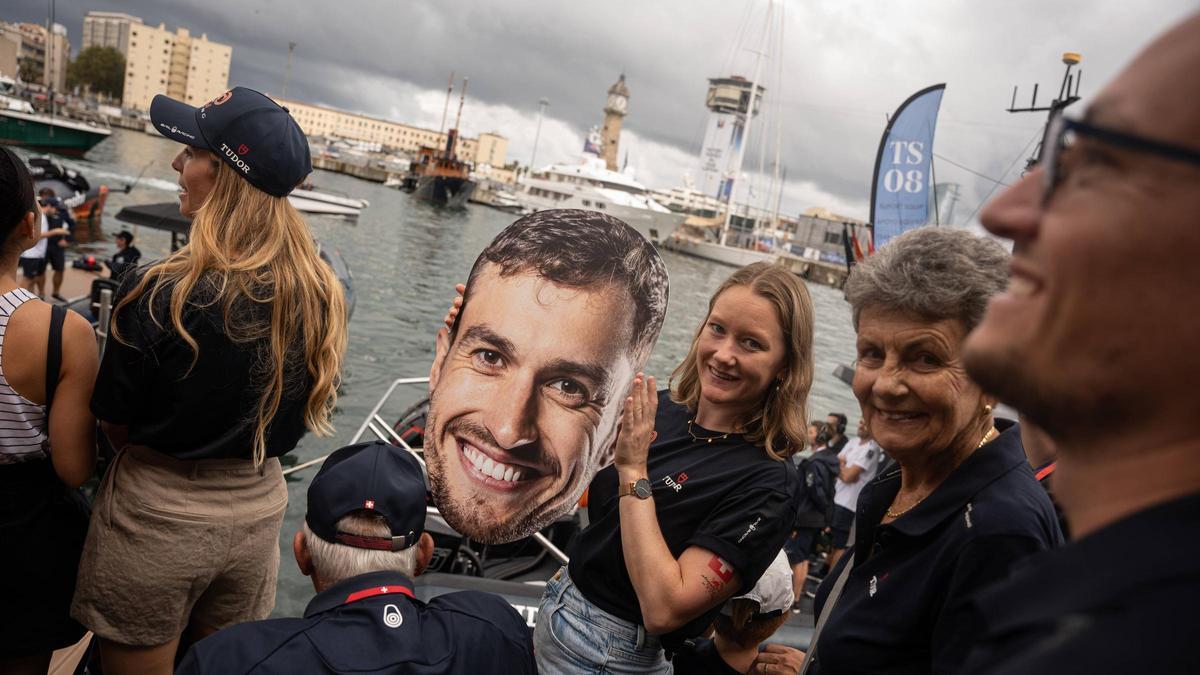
x=373 y=174
x=819 y=271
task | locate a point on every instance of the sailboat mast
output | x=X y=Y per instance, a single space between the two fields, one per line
x=777 y=180
x=446 y=106
x=741 y=153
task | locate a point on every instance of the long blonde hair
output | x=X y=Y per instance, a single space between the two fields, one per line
x=780 y=424
x=248 y=246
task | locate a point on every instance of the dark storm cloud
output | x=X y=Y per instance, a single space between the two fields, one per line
x=846 y=64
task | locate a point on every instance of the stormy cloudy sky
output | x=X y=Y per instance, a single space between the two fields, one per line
x=845 y=65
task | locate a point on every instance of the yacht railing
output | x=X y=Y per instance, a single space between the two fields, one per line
x=383 y=431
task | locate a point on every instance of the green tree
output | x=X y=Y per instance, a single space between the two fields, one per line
x=28 y=71
x=100 y=69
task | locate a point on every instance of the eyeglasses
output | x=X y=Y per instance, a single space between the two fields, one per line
x=1062 y=132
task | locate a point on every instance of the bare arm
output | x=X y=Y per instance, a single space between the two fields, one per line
x=72 y=427
x=670 y=592
x=850 y=473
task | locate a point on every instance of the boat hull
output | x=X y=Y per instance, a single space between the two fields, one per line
x=311 y=201
x=708 y=250
x=444 y=190
x=32 y=131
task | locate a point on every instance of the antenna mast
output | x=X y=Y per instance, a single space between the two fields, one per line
x=1068 y=93
x=741 y=153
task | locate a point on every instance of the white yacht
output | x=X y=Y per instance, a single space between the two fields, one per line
x=589 y=185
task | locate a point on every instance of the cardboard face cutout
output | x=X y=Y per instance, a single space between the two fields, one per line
x=561 y=311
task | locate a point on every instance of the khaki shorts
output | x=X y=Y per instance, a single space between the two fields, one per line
x=174 y=541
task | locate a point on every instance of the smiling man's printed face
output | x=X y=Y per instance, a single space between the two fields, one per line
x=524 y=404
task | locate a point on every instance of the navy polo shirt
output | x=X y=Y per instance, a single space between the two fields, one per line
x=905 y=606
x=1120 y=600
x=372 y=624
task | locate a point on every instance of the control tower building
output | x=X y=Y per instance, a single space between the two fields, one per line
x=728 y=101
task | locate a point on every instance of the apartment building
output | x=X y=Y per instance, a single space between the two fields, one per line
x=108 y=29
x=188 y=68
x=489 y=148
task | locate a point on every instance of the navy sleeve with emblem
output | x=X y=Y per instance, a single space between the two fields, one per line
x=747 y=530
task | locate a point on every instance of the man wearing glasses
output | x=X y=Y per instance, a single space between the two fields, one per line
x=1097 y=341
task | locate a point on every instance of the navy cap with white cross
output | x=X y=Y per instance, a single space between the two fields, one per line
x=375 y=477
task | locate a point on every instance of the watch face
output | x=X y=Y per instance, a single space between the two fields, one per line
x=642 y=488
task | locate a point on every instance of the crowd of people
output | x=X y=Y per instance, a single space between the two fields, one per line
x=946 y=520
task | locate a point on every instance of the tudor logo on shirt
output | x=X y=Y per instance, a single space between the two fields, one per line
x=676 y=483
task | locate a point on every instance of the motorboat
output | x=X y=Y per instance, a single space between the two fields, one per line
x=85 y=201
x=324 y=203
x=21 y=125
x=590 y=185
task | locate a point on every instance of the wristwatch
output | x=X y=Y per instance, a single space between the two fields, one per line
x=639 y=488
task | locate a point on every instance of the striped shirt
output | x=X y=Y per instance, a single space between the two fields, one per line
x=22 y=422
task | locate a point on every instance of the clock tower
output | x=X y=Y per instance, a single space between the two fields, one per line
x=615 y=109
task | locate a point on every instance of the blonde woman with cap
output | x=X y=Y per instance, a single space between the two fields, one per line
x=221 y=357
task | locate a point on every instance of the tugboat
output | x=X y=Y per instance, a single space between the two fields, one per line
x=438 y=175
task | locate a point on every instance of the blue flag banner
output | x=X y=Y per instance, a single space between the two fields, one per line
x=900 y=195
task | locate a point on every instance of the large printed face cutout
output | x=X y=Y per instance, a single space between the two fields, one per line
x=525 y=394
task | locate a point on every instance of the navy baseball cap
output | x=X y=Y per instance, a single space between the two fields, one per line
x=248 y=131
x=375 y=477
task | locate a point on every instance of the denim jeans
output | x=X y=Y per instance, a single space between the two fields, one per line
x=574 y=636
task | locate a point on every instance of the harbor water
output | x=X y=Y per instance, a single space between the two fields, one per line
x=406 y=256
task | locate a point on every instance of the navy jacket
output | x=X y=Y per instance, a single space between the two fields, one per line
x=372 y=624
x=906 y=604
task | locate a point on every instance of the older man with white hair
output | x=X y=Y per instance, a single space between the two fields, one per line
x=362 y=541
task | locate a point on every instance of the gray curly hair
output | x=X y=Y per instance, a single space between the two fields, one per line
x=934 y=273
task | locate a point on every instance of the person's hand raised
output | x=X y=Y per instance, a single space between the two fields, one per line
x=637 y=424
x=455 y=306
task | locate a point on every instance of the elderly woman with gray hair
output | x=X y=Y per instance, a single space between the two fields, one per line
x=962 y=505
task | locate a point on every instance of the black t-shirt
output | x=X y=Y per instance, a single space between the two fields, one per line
x=61 y=218
x=700 y=657
x=124 y=260
x=1086 y=608
x=727 y=496
x=205 y=411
